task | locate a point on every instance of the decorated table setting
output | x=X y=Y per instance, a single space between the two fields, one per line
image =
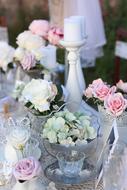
x=50 y=138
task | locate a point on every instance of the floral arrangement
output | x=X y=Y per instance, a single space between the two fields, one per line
x=29 y=53
x=68 y=128
x=26 y=169
x=42 y=97
x=6 y=56
x=109 y=97
x=31 y=43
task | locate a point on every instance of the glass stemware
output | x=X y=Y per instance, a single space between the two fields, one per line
x=70 y=163
x=5 y=172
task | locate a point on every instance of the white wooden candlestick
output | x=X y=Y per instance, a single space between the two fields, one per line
x=80 y=74
x=73 y=85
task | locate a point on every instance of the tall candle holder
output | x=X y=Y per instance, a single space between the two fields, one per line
x=74 y=79
x=73 y=83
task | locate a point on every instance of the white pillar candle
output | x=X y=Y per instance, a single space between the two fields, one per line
x=81 y=19
x=72 y=30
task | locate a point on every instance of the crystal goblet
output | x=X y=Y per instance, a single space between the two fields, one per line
x=71 y=163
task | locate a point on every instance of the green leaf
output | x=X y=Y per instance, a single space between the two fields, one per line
x=59 y=94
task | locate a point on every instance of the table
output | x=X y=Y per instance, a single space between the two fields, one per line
x=46 y=160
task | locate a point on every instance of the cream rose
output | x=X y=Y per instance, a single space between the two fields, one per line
x=18 y=138
x=38 y=53
x=115 y=104
x=22 y=38
x=34 y=42
x=39 y=92
x=6 y=55
x=30 y=41
x=19 y=54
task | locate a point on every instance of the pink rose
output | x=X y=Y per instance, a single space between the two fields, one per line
x=122 y=86
x=102 y=91
x=26 y=169
x=55 y=34
x=99 y=89
x=28 y=61
x=96 y=83
x=39 y=27
x=88 y=92
x=115 y=104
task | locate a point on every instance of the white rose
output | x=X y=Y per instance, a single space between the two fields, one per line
x=22 y=38
x=6 y=55
x=39 y=92
x=29 y=41
x=18 y=138
x=37 y=53
x=19 y=54
x=34 y=42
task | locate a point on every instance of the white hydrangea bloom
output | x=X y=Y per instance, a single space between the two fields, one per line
x=69 y=128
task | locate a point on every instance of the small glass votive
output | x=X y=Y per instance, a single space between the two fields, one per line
x=5 y=172
x=70 y=163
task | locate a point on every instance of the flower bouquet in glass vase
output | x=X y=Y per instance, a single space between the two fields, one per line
x=67 y=132
x=111 y=103
x=42 y=98
x=29 y=53
x=34 y=55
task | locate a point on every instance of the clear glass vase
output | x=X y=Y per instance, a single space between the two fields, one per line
x=106 y=123
x=37 y=122
x=122 y=127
